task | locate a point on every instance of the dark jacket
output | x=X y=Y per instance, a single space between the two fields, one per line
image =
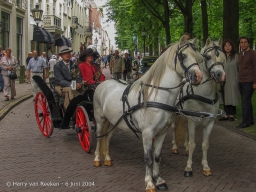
x=62 y=75
x=128 y=65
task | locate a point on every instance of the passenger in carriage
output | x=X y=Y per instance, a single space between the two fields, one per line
x=90 y=72
x=64 y=74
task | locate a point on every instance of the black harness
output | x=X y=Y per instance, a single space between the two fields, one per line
x=191 y=95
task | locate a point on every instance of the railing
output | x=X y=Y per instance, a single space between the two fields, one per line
x=52 y=21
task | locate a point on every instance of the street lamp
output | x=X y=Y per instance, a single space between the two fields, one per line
x=144 y=34
x=96 y=42
x=37 y=15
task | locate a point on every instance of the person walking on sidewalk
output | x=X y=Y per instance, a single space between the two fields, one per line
x=8 y=65
x=116 y=66
x=1 y=77
x=128 y=66
x=247 y=80
x=36 y=67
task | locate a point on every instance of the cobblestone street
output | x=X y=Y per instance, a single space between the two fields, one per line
x=57 y=163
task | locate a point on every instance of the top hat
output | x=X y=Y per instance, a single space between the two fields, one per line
x=65 y=49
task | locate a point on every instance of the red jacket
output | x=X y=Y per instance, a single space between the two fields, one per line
x=87 y=73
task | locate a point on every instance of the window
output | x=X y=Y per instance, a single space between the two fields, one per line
x=5 y=30
x=19 y=38
x=32 y=4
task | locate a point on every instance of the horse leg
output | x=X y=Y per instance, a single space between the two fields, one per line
x=107 y=160
x=174 y=145
x=147 y=145
x=205 y=146
x=186 y=143
x=101 y=122
x=191 y=146
x=158 y=143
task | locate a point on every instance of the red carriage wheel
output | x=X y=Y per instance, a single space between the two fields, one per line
x=43 y=115
x=83 y=128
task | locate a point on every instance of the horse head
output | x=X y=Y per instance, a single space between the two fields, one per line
x=187 y=59
x=215 y=60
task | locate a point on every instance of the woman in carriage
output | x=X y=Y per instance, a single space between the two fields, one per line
x=90 y=73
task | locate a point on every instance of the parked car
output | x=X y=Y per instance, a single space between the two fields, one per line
x=146 y=62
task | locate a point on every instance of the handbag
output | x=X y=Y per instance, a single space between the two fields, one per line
x=13 y=76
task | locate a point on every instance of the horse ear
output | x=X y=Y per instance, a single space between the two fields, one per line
x=183 y=39
x=219 y=42
x=208 y=41
x=193 y=41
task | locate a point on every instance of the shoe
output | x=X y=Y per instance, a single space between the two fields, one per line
x=231 y=119
x=224 y=119
x=243 y=125
x=6 y=98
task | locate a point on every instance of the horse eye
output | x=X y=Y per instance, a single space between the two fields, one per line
x=208 y=57
x=184 y=56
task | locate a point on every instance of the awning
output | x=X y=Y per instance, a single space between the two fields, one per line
x=50 y=36
x=62 y=42
x=42 y=36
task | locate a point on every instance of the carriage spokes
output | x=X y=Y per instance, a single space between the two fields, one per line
x=43 y=115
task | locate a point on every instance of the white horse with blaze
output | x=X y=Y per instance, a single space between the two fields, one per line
x=179 y=61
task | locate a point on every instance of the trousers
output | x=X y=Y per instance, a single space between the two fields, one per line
x=246 y=91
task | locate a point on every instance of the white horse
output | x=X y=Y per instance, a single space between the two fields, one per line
x=204 y=98
x=171 y=67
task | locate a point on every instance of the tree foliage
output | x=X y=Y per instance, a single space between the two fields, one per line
x=131 y=17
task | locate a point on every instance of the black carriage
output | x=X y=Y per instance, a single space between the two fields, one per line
x=50 y=113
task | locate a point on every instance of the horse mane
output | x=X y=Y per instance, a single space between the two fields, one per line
x=155 y=74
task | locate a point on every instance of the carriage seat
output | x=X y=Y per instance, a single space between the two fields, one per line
x=57 y=97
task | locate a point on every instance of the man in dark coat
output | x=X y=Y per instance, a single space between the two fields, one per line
x=128 y=66
x=64 y=76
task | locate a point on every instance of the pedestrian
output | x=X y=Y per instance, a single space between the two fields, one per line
x=30 y=55
x=231 y=87
x=51 y=64
x=64 y=76
x=36 y=67
x=128 y=66
x=8 y=65
x=116 y=66
x=49 y=53
x=105 y=60
x=1 y=77
x=247 y=80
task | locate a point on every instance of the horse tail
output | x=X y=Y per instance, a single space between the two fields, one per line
x=103 y=141
x=180 y=130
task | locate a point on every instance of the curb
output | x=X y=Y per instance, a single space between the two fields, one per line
x=5 y=110
x=236 y=130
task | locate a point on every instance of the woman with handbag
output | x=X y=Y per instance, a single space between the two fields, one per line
x=8 y=65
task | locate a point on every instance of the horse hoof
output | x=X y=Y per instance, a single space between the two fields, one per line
x=162 y=187
x=108 y=163
x=186 y=153
x=175 y=151
x=151 y=190
x=188 y=173
x=207 y=173
x=96 y=163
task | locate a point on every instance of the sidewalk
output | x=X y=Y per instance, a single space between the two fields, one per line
x=23 y=92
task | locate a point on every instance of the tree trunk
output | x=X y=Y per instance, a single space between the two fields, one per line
x=230 y=21
x=204 y=20
x=156 y=39
x=166 y=23
x=188 y=17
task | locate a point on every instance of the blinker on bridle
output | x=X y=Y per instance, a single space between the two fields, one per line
x=181 y=58
x=216 y=52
